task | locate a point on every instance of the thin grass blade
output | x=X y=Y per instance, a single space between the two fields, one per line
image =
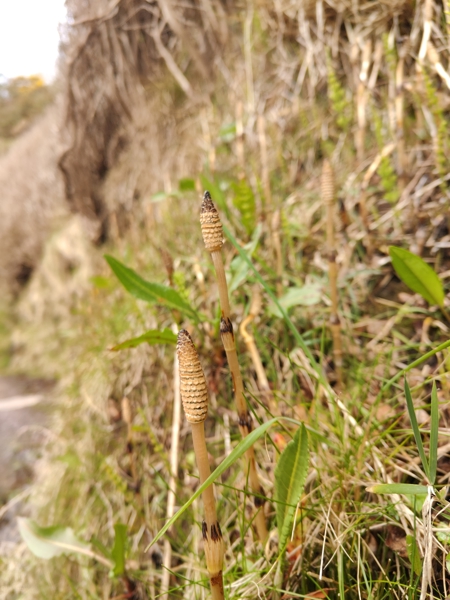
x=412 y=365
x=240 y=449
x=409 y=489
x=434 y=432
x=416 y=430
x=151 y=337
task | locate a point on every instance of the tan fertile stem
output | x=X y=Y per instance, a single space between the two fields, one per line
x=213 y=238
x=194 y=396
x=328 y=197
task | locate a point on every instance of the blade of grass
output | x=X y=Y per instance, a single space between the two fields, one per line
x=240 y=449
x=413 y=365
x=416 y=430
x=409 y=489
x=434 y=434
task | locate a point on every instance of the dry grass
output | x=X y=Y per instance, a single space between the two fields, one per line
x=32 y=199
x=276 y=66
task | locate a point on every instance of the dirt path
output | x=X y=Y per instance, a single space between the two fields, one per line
x=24 y=413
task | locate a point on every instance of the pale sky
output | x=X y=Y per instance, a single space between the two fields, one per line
x=29 y=37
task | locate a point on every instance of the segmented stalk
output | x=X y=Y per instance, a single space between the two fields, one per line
x=194 y=396
x=213 y=238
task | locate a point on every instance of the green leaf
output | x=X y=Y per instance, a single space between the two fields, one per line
x=101 y=283
x=118 y=550
x=150 y=292
x=434 y=432
x=417 y=275
x=186 y=184
x=307 y=295
x=416 y=430
x=240 y=449
x=413 y=551
x=290 y=476
x=244 y=201
x=409 y=489
x=239 y=268
x=152 y=337
x=47 y=542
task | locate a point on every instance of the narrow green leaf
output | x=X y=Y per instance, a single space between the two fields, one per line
x=290 y=476
x=150 y=292
x=413 y=551
x=417 y=275
x=240 y=449
x=409 y=489
x=434 y=431
x=47 y=542
x=244 y=201
x=239 y=268
x=118 y=550
x=152 y=337
x=416 y=430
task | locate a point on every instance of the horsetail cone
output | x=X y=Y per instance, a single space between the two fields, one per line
x=194 y=394
x=210 y=223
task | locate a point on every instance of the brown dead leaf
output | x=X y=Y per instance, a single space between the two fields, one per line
x=396 y=540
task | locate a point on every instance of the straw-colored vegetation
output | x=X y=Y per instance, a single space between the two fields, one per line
x=252 y=102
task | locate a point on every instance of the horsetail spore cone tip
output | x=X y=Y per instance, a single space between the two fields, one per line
x=210 y=223
x=194 y=393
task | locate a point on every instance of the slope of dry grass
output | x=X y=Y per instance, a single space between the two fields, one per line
x=362 y=86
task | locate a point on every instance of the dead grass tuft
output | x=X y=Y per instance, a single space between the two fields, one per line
x=32 y=199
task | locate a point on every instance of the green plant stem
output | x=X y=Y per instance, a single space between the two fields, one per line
x=414 y=364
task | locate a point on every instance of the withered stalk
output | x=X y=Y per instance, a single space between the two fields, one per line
x=213 y=238
x=194 y=396
x=263 y=382
x=328 y=197
x=399 y=115
x=361 y=101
